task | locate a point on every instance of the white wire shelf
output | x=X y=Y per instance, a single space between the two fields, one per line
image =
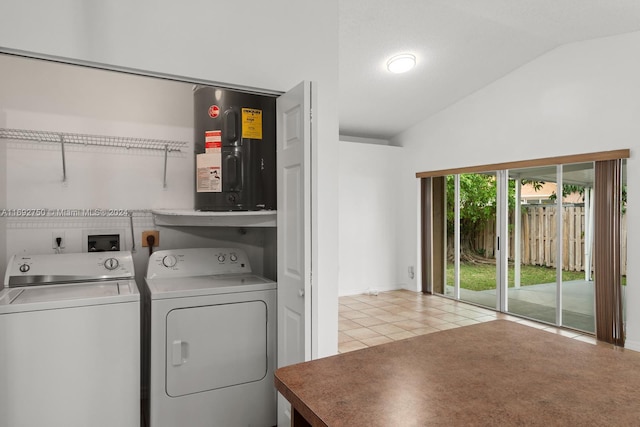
x=64 y=138
x=100 y=140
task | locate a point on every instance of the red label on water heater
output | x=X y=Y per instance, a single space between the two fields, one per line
x=214 y=111
x=212 y=140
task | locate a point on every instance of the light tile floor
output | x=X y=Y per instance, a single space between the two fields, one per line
x=368 y=320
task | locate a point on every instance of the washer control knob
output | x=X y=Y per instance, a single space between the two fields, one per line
x=233 y=257
x=24 y=268
x=111 y=263
x=221 y=258
x=169 y=261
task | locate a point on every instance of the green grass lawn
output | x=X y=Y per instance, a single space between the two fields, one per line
x=478 y=277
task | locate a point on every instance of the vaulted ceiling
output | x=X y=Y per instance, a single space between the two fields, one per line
x=460 y=46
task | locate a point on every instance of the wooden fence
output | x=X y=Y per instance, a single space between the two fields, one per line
x=538 y=243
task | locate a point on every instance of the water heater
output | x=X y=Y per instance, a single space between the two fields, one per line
x=235 y=150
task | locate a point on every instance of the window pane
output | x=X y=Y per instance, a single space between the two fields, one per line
x=577 y=247
x=477 y=238
x=532 y=239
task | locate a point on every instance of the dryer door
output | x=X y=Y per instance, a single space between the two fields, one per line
x=215 y=346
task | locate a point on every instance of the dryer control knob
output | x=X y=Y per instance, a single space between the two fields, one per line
x=111 y=263
x=24 y=268
x=169 y=261
x=221 y=258
x=233 y=257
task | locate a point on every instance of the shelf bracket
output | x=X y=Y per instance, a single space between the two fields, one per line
x=64 y=162
x=166 y=155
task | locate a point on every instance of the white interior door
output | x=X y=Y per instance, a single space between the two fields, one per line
x=294 y=138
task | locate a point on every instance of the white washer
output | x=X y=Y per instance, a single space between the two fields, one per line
x=70 y=341
x=212 y=351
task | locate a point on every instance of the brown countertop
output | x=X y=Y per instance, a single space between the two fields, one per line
x=494 y=373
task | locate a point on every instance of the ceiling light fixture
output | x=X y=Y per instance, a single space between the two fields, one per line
x=401 y=63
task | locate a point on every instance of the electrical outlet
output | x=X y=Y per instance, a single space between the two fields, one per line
x=54 y=236
x=103 y=242
x=154 y=233
x=103 y=239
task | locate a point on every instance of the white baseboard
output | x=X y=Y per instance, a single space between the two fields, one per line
x=632 y=345
x=366 y=291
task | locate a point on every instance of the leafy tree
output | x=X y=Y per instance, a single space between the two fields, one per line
x=477 y=201
x=566 y=190
x=570 y=189
x=477 y=208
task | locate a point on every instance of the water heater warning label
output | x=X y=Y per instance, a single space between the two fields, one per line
x=251 y=123
x=212 y=141
x=208 y=173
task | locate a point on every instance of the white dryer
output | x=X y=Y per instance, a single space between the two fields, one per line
x=70 y=341
x=213 y=348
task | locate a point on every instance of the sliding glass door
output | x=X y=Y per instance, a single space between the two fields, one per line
x=578 y=220
x=551 y=254
x=520 y=241
x=533 y=236
x=544 y=242
x=471 y=238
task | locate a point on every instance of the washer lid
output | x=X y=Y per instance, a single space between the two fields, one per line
x=64 y=296
x=207 y=285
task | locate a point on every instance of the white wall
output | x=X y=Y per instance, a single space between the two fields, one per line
x=3 y=202
x=368 y=201
x=271 y=45
x=579 y=98
x=41 y=95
